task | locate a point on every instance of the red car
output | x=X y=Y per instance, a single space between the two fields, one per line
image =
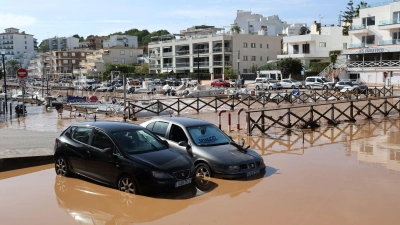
x=219 y=83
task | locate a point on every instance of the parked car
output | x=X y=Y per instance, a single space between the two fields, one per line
x=121 y=155
x=173 y=82
x=291 y=83
x=212 y=151
x=268 y=85
x=349 y=85
x=220 y=83
x=318 y=83
x=160 y=81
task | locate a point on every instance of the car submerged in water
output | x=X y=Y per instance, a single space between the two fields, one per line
x=121 y=155
x=213 y=152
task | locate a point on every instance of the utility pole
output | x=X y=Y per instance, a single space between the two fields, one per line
x=238 y=60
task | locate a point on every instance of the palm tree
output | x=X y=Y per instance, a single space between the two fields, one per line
x=12 y=66
x=235 y=28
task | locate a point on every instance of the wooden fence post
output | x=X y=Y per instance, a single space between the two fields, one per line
x=178 y=107
x=289 y=125
x=248 y=123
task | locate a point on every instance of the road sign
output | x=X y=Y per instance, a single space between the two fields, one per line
x=22 y=82
x=22 y=73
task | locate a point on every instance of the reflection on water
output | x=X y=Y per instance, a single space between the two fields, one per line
x=372 y=141
x=89 y=203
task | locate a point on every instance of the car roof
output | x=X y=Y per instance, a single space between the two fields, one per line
x=109 y=126
x=183 y=121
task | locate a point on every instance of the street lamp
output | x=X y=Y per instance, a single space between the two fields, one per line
x=198 y=65
x=4 y=77
x=44 y=67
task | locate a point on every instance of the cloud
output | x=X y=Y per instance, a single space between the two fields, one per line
x=17 y=21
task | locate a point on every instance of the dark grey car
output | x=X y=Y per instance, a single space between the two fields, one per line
x=350 y=85
x=212 y=151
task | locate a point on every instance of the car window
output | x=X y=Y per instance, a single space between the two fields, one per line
x=177 y=134
x=160 y=128
x=101 y=141
x=319 y=80
x=208 y=135
x=82 y=134
x=138 y=141
x=150 y=126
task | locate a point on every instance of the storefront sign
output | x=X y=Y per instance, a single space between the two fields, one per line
x=371 y=50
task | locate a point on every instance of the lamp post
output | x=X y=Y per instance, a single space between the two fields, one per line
x=44 y=68
x=198 y=65
x=4 y=77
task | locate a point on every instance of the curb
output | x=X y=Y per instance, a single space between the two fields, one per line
x=7 y=164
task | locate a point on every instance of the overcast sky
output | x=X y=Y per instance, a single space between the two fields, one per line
x=49 y=18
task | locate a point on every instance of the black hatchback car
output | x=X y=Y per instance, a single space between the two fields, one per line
x=121 y=155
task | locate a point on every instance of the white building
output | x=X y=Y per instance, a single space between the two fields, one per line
x=375 y=47
x=17 y=45
x=121 y=40
x=293 y=29
x=61 y=43
x=314 y=46
x=257 y=24
x=209 y=50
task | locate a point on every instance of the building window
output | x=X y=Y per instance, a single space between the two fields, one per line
x=245 y=58
x=267 y=46
x=82 y=54
x=253 y=58
x=306 y=48
x=25 y=37
x=344 y=45
x=25 y=42
x=65 y=54
x=130 y=53
x=123 y=61
x=253 y=45
x=267 y=58
x=368 y=21
x=73 y=61
x=396 y=35
x=295 y=49
x=65 y=61
x=370 y=39
x=322 y=44
x=244 y=70
x=260 y=58
x=122 y=52
x=396 y=17
x=244 y=44
x=26 y=47
x=115 y=60
x=260 y=45
x=73 y=53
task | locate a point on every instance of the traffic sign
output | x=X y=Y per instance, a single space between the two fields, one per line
x=22 y=73
x=22 y=82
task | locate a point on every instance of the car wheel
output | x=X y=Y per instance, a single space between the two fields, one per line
x=257 y=87
x=61 y=166
x=270 y=88
x=308 y=87
x=203 y=170
x=212 y=85
x=293 y=87
x=325 y=87
x=127 y=184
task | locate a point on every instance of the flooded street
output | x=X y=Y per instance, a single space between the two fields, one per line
x=344 y=175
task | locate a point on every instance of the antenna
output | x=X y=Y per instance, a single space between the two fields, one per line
x=339 y=20
x=320 y=18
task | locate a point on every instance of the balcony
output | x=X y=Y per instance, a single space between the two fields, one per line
x=358 y=29
x=358 y=45
x=384 y=63
x=389 y=24
x=167 y=65
x=183 y=52
x=389 y=42
x=167 y=54
x=155 y=66
x=218 y=63
x=201 y=51
x=201 y=64
x=183 y=65
x=154 y=55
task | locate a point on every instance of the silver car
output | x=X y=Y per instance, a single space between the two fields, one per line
x=213 y=152
x=291 y=83
x=349 y=85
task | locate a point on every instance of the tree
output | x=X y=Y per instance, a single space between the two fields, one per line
x=143 y=69
x=230 y=73
x=43 y=47
x=269 y=66
x=236 y=29
x=290 y=66
x=122 y=68
x=348 y=16
x=304 y=30
x=361 y=4
x=12 y=66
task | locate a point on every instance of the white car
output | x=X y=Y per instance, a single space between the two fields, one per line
x=318 y=83
x=291 y=83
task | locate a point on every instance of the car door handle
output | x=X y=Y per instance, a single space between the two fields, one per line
x=88 y=152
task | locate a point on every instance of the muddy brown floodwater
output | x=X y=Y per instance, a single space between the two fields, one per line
x=344 y=175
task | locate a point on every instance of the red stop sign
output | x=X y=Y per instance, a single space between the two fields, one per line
x=22 y=73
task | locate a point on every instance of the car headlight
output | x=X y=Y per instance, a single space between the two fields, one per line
x=160 y=175
x=233 y=167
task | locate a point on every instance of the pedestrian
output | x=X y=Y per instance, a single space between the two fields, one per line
x=242 y=80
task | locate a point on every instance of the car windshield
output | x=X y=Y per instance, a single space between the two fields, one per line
x=138 y=141
x=208 y=135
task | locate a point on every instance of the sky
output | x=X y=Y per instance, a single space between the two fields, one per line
x=49 y=18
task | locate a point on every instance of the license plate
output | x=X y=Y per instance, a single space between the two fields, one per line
x=252 y=173
x=183 y=182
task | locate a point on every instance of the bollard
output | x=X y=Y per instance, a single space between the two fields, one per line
x=219 y=118
x=229 y=122
x=10 y=108
x=238 y=118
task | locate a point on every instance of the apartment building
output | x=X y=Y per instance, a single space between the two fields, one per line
x=121 y=40
x=61 y=43
x=316 y=45
x=17 y=45
x=209 y=50
x=251 y=23
x=374 y=52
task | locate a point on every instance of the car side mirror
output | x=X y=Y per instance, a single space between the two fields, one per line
x=108 y=151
